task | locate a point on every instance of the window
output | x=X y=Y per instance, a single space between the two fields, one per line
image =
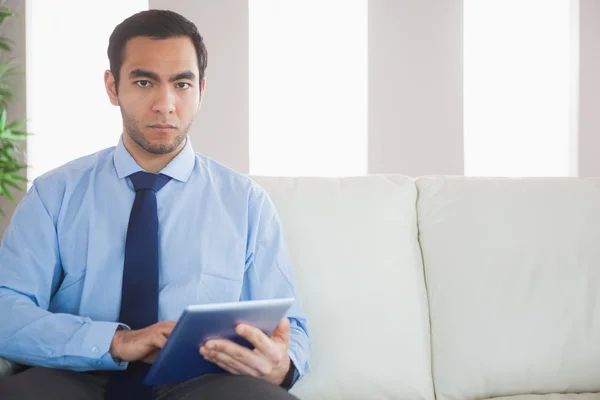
x=68 y=108
x=517 y=87
x=308 y=87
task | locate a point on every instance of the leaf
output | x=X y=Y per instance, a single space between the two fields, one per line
x=8 y=134
x=22 y=133
x=9 y=67
x=18 y=177
x=6 y=44
x=5 y=13
x=5 y=134
x=11 y=165
x=12 y=184
x=3 y=119
x=8 y=71
x=7 y=146
x=16 y=124
x=6 y=192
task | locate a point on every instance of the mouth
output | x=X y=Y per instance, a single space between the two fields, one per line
x=162 y=126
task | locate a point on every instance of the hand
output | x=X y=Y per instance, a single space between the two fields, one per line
x=143 y=344
x=268 y=360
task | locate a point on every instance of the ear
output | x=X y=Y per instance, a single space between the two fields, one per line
x=202 y=88
x=111 y=90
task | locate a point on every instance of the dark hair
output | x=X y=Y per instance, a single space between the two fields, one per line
x=157 y=24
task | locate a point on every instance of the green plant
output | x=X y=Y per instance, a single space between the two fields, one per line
x=11 y=175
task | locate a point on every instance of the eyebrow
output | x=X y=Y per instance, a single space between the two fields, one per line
x=142 y=73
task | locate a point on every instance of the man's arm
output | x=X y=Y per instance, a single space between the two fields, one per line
x=30 y=273
x=269 y=275
x=281 y=358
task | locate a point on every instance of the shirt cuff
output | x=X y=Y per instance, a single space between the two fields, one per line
x=293 y=374
x=290 y=378
x=96 y=345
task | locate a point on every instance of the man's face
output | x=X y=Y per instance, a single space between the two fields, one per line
x=158 y=92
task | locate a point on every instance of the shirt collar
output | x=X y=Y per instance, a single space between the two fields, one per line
x=180 y=167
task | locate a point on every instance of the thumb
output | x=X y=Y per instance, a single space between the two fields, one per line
x=282 y=331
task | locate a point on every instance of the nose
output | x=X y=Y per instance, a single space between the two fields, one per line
x=164 y=102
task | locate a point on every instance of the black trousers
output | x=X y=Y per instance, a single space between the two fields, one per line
x=50 y=384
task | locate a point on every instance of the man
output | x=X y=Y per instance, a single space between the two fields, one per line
x=104 y=253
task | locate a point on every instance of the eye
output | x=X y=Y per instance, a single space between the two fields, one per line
x=183 y=85
x=143 y=83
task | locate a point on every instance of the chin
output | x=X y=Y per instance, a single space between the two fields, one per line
x=162 y=143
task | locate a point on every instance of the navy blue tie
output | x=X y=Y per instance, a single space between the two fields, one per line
x=139 y=293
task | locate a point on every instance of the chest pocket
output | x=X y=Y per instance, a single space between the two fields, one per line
x=200 y=289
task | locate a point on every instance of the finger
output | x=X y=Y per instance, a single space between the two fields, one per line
x=230 y=364
x=262 y=343
x=159 y=340
x=243 y=355
x=234 y=350
x=226 y=368
x=150 y=357
x=282 y=331
x=255 y=336
x=166 y=327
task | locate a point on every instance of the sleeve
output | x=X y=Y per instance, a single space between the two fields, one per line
x=30 y=273
x=269 y=275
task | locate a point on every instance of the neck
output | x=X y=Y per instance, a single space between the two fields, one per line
x=149 y=162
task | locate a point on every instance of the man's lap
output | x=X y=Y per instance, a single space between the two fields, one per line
x=44 y=383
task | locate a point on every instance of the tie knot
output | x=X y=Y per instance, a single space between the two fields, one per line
x=145 y=180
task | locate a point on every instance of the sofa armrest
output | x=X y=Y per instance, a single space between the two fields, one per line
x=8 y=367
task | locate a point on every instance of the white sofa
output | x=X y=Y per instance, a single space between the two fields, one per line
x=446 y=287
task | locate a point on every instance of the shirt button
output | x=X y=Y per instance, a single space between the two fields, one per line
x=94 y=349
x=50 y=352
x=99 y=362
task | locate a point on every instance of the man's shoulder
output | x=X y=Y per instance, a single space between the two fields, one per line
x=228 y=179
x=72 y=171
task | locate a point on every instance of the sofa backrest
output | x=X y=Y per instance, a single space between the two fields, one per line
x=357 y=264
x=513 y=279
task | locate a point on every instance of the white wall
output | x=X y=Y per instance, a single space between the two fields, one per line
x=415 y=87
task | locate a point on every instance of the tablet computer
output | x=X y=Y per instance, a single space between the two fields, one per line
x=180 y=359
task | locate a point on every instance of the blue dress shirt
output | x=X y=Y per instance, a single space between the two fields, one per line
x=61 y=260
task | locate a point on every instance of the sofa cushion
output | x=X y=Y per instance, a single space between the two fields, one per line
x=357 y=264
x=513 y=277
x=551 y=396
